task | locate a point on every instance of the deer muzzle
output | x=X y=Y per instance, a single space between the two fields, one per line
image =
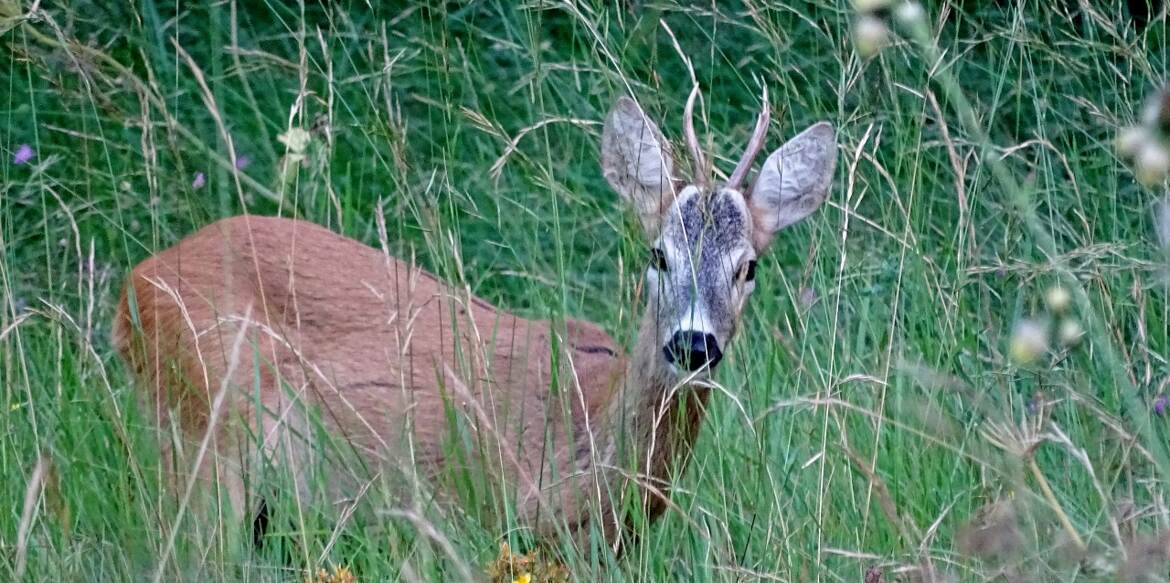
x=692 y=350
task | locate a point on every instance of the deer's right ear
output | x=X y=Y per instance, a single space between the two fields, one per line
x=636 y=161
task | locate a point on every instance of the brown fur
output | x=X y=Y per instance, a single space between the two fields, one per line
x=384 y=352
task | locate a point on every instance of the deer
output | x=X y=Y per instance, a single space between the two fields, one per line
x=253 y=334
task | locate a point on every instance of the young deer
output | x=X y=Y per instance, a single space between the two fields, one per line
x=268 y=331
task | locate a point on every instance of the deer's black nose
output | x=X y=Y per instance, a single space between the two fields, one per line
x=693 y=350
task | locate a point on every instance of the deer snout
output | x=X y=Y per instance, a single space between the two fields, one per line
x=692 y=350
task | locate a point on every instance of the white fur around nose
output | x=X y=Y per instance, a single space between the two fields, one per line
x=695 y=319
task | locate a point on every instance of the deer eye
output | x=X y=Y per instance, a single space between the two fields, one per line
x=747 y=271
x=658 y=259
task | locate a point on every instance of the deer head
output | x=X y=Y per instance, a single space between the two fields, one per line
x=705 y=238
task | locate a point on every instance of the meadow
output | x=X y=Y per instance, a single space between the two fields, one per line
x=879 y=418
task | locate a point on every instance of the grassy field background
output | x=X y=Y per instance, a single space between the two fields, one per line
x=873 y=423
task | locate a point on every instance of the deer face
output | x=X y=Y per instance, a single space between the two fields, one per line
x=704 y=240
x=702 y=268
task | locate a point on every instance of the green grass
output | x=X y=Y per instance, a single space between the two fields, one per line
x=872 y=383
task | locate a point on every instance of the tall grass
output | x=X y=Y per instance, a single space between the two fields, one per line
x=877 y=425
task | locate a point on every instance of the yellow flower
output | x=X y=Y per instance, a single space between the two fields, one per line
x=339 y=575
x=525 y=578
x=343 y=575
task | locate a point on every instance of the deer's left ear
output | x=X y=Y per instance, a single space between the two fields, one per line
x=793 y=182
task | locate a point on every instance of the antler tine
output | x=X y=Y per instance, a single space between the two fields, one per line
x=693 y=139
x=755 y=144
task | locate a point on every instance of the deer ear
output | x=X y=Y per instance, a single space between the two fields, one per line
x=793 y=181
x=636 y=161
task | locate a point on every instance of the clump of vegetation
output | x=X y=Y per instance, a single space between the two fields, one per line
x=530 y=567
x=338 y=574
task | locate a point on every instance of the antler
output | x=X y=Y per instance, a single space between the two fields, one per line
x=755 y=144
x=693 y=140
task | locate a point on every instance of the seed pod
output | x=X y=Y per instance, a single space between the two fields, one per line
x=1029 y=342
x=910 y=13
x=1070 y=333
x=1152 y=164
x=1057 y=299
x=870 y=36
x=1129 y=141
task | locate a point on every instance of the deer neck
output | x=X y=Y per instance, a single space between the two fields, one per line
x=653 y=420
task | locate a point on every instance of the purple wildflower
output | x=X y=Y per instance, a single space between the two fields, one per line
x=199 y=181
x=1161 y=402
x=808 y=297
x=24 y=154
x=1035 y=406
x=243 y=161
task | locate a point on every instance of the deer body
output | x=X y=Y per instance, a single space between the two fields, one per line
x=268 y=330
x=381 y=347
